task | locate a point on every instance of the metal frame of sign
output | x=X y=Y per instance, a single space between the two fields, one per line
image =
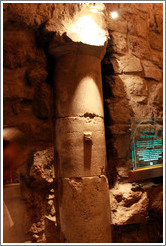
x=133 y=135
x=140 y=173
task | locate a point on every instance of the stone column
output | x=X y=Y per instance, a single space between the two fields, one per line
x=84 y=207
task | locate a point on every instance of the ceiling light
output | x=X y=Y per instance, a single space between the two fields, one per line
x=114 y=15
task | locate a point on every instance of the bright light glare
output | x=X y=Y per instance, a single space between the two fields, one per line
x=114 y=15
x=86 y=30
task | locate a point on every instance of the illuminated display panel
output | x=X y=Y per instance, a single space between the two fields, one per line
x=147 y=141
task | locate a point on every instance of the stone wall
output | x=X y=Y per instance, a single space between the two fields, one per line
x=132 y=86
x=132 y=76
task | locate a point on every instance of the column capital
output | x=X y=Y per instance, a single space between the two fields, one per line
x=65 y=46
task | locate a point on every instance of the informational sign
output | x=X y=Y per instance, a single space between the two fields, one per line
x=147 y=141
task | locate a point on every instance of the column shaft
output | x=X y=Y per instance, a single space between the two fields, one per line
x=80 y=144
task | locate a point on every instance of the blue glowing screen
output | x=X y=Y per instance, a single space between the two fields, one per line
x=147 y=141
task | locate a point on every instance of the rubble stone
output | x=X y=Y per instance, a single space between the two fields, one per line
x=42 y=169
x=123 y=168
x=128 y=207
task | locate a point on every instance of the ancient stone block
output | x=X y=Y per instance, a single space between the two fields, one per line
x=140 y=109
x=129 y=207
x=87 y=200
x=156 y=92
x=151 y=71
x=137 y=91
x=143 y=7
x=117 y=87
x=111 y=7
x=15 y=85
x=156 y=41
x=139 y=47
x=159 y=21
x=156 y=21
x=126 y=64
x=36 y=75
x=24 y=13
x=118 y=129
x=29 y=124
x=133 y=7
x=19 y=48
x=137 y=26
x=127 y=8
x=119 y=111
x=77 y=157
x=119 y=42
x=134 y=85
x=117 y=25
x=16 y=107
x=157 y=58
x=43 y=99
x=158 y=8
x=12 y=107
x=121 y=145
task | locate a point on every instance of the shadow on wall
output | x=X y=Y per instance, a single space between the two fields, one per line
x=117 y=112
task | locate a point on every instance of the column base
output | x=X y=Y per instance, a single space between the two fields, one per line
x=85 y=210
